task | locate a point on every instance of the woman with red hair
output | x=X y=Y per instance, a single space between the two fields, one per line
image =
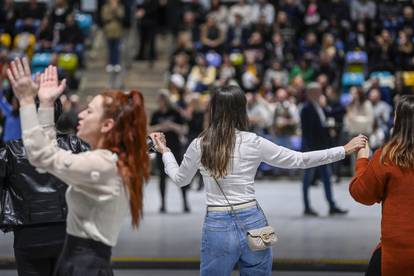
x=105 y=184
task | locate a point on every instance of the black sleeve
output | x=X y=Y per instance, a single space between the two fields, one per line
x=3 y=167
x=154 y=119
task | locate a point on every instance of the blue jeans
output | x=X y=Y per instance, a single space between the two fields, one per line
x=114 y=51
x=325 y=174
x=224 y=244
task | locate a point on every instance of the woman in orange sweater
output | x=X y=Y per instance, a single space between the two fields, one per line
x=388 y=178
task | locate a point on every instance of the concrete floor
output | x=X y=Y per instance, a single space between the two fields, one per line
x=176 y=235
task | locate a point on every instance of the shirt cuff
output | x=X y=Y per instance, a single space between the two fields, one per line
x=46 y=116
x=339 y=153
x=28 y=117
x=168 y=157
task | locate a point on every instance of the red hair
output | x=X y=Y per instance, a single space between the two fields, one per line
x=128 y=139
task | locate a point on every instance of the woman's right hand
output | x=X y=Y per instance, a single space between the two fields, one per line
x=50 y=89
x=356 y=143
x=160 y=143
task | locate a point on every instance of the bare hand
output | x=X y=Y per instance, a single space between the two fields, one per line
x=20 y=77
x=160 y=143
x=356 y=144
x=364 y=152
x=50 y=89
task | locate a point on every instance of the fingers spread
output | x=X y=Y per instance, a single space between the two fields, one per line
x=26 y=67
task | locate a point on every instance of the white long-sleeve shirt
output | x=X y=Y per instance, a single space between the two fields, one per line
x=96 y=197
x=250 y=150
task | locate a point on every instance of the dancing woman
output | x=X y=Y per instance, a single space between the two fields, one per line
x=106 y=183
x=226 y=152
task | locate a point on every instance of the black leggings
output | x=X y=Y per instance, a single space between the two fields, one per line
x=37 y=261
x=374 y=266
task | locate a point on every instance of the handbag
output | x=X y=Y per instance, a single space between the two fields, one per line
x=259 y=238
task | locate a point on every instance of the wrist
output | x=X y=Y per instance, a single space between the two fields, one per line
x=46 y=103
x=26 y=101
x=165 y=150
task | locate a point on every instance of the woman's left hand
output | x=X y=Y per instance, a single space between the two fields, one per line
x=50 y=89
x=159 y=142
x=25 y=89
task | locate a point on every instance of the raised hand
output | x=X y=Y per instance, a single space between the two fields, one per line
x=50 y=89
x=356 y=144
x=160 y=143
x=20 y=77
x=364 y=152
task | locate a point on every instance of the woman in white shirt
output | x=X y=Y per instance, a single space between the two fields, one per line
x=105 y=184
x=226 y=152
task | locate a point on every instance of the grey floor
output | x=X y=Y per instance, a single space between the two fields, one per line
x=177 y=235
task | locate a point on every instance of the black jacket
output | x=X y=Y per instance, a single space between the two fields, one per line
x=27 y=196
x=315 y=136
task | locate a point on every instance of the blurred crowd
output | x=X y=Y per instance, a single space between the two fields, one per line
x=360 y=52
x=47 y=33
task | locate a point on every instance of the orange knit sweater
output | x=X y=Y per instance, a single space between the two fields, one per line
x=394 y=188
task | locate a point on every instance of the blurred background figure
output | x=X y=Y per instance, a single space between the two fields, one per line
x=168 y=120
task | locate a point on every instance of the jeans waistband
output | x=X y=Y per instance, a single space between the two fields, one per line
x=226 y=208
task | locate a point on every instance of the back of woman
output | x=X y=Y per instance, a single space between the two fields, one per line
x=228 y=158
x=388 y=179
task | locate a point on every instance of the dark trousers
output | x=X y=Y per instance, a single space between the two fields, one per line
x=84 y=257
x=325 y=174
x=147 y=36
x=163 y=182
x=113 y=51
x=37 y=261
x=374 y=266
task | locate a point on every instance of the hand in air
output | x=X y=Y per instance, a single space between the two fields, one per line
x=50 y=89
x=159 y=142
x=20 y=77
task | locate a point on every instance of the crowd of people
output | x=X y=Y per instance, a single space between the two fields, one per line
x=360 y=52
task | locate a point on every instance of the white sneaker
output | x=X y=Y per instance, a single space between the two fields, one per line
x=117 y=68
x=109 y=68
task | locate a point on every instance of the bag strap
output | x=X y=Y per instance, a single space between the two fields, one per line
x=231 y=205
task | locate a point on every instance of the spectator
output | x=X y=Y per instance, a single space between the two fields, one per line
x=11 y=129
x=201 y=76
x=312 y=14
x=265 y=9
x=169 y=121
x=276 y=76
x=112 y=15
x=285 y=119
x=237 y=34
x=147 y=14
x=30 y=16
x=404 y=52
x=8 y=16
x=359 y=118
x=363 y=9
x=71 y=38
x=212 y=36
x=220 y=13
x=59 y=14
x=244 y=10
x=381 y=110
x=315 y=136
x=45 y=36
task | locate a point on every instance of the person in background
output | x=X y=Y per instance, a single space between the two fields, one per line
x=11 y=128
x=315 y=136
x=168 y=120
x=112 y=15
x=387 y=178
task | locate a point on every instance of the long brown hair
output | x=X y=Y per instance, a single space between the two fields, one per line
x=400 y=149
x=227 y=112
x=128 y=140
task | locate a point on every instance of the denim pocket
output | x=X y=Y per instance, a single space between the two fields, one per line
x=216 y=238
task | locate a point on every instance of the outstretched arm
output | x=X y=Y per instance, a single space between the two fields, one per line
x=289 y=159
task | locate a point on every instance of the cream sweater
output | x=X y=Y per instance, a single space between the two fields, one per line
x=96 y=198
